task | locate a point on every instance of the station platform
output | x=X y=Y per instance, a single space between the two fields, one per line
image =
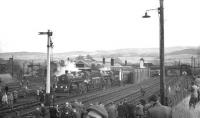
x=182 y=110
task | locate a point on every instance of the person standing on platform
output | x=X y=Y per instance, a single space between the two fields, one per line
x=37 y=94
x=37 y=113
x=53 y=112
x=6 y=89
x=5 y=99
x=157 y=110
x=140 y=109
x=1 y=95
x=194 y=95
x=10 y=100
x=43 y=110
x=112 y=111
x=120 y=110
x=125 y=107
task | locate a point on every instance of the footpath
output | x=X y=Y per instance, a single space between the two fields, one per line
x=182 y=110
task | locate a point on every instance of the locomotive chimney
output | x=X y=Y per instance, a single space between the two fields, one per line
x=112 y=62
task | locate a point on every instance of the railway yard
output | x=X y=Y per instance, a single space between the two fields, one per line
x=132 y=92
x=118 y=84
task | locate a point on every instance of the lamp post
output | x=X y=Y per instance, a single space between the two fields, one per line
x=162 y=68
x=49 y=45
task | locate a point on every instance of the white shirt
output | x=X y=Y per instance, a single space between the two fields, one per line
x=197 y=81
x=195 y=93
x=38 y=92
x=5 y=98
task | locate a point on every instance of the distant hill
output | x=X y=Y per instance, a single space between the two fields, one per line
x=129 y=52
x=191 y=51
x=23 y=55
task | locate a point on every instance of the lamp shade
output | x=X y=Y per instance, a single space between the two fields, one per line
x=146 y=15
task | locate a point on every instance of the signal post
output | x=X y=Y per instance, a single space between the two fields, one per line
x=47 y=85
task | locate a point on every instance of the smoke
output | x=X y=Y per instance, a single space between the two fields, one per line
x=60 y=70
x=68 y=66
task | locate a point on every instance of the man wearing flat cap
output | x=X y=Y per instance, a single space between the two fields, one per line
x=97 y=111
x=158 y=110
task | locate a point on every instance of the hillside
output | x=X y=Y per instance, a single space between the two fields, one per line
x=130 y=52
x=191 y=51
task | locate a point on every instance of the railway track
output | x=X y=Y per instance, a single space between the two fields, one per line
x=113 y=94
x=11 y=86
x=85 y=98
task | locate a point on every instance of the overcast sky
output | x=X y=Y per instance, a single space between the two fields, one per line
x=96 y=24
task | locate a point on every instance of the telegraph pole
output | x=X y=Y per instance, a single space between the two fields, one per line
x=162 y=52
x=191 y=61
x=194 y=64
x=162 y=59
x=23 y=71
x=12 y=66
x=49 y=45
x=32 y=68
x=11 y=62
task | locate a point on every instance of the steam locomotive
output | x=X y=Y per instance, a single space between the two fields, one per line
x=83 y=83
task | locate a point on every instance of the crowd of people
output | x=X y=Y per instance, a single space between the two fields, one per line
x=125 y=109
x=8 y=98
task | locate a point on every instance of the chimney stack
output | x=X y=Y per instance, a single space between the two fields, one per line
x=142 y=63
x=125 y=62
x=112 y=62
x=104 y=60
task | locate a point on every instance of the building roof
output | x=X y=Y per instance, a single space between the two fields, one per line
x=83 y=62
x=3 y=62
x=7 y=78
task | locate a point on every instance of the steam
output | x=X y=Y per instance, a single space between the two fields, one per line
x=68 y=66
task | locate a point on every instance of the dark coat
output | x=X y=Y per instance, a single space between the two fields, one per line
x=43 y=111
x=37 y=114
x=120 y=110
x=53 y=112
x=131 y=110
x=159 y=111
x=112 y=111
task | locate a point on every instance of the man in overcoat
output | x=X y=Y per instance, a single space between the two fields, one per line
x=158 y=110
